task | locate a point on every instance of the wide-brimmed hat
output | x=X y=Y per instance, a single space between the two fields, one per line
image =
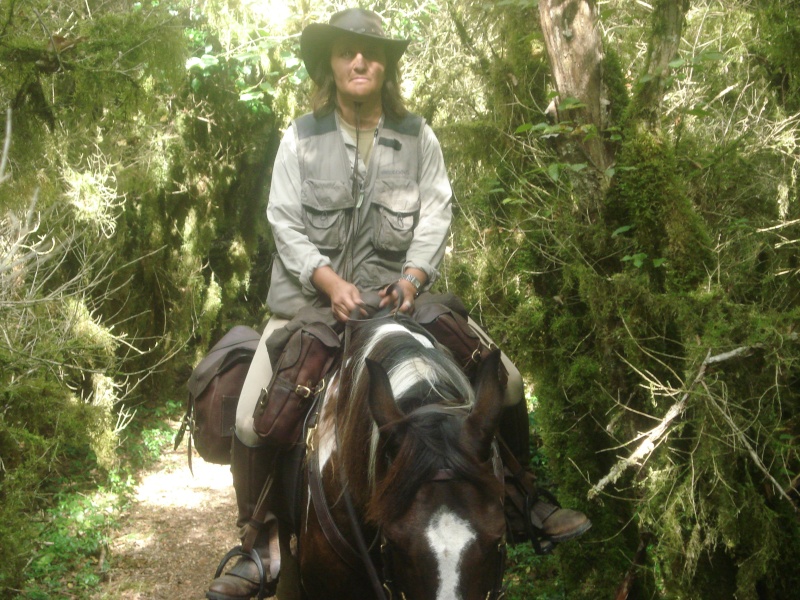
x=316 y=39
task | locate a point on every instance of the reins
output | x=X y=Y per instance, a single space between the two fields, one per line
x=332 y=533
x=349 y=555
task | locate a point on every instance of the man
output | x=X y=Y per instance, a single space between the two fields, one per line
x=359 y=200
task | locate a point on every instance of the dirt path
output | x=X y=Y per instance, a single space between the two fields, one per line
x=178 y=528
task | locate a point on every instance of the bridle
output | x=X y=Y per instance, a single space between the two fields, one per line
x=384 y=584
x=390 y=590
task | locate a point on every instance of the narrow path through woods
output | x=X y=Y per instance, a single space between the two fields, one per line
x=178 y=528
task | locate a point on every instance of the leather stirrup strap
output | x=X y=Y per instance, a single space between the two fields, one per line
x=524 y=506
x=516 y=469
x=262 y=519
x=187 y=425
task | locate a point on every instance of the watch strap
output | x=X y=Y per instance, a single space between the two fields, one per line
x=414 y=281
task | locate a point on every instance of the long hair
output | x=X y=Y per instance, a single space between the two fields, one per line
x=323 y=100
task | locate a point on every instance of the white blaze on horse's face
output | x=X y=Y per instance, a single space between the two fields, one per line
x=448 y=536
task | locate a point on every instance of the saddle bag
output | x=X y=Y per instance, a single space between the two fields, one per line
x=214 y=388
x=453 y=331
x=297 y=379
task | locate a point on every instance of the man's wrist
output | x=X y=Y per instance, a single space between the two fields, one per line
x=413 y=280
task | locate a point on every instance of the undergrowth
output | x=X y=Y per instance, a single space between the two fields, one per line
x=70 y=556
x=530 y=576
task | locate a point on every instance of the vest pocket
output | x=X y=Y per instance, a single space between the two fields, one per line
x=325 y=208
x=394 y=214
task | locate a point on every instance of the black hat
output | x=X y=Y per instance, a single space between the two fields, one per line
x=316 y=39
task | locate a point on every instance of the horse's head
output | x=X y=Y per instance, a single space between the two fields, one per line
x=438 y=498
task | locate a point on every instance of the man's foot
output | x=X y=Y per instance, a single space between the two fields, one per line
x=241 y=582
x=558 y=524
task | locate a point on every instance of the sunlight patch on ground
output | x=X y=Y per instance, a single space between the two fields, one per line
x=178 y=527
x=136 y=542
x=179 y=488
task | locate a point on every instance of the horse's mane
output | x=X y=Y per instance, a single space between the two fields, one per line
x=435 y=396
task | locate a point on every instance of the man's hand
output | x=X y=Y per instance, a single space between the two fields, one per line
x=344 y=296
x=409 y=292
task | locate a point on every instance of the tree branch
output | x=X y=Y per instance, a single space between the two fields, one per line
x=6 y=146
x=652 y=438
x=575 y=52
x=665 y=38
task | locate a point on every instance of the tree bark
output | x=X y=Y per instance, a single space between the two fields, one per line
x=575 y=51
x=665 y=38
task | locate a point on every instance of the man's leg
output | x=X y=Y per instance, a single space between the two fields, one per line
x=258 y=378
x=251 y=465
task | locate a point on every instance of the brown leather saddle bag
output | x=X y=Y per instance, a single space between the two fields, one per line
x=453 y=331
x=214 y=388
x=297 y=379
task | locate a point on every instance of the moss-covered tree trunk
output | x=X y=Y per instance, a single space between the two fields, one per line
x=633 y=334
x=575 y=52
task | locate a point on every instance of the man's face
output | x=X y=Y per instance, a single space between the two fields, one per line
x=358 y=69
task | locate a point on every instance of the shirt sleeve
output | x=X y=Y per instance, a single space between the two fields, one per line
x=284 y=213
x=430 y=236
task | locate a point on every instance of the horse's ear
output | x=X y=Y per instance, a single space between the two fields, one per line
x=483 y=421
x=381 y=399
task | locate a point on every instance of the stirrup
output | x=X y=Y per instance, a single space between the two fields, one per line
x=253 y=555
x=541 y=544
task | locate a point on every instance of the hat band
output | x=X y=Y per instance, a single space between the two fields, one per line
x=377 y=32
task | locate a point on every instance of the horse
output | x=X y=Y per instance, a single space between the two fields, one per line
x=403 y=484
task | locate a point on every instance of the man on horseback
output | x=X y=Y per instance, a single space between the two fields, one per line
x=359 y=200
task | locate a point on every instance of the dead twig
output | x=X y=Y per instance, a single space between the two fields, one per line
x=655 y=436
x=6 y=146
x=746 y=443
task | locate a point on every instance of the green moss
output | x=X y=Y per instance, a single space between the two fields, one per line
x=666 y=231
x=615 y=84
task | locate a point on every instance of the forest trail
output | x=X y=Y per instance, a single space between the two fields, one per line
x=178 y=528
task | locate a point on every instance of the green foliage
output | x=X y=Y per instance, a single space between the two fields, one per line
x=147 y=141
x=610 y=296
x=145 y=439
x=42 y=457
x=532 y=577
x=778 y=47
x=664 y=228
x=71 y=542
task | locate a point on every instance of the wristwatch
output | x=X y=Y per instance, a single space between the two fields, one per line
x=414 y=281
